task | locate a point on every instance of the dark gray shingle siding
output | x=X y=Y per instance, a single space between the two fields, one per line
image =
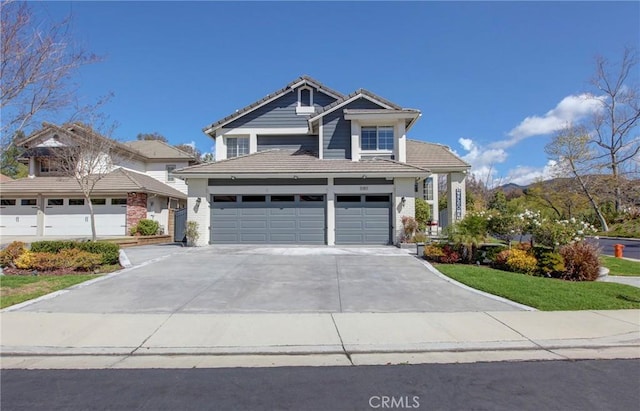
x=297 y=142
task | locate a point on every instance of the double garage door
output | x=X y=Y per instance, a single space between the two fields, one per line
x=299 y=219
x=18 y=216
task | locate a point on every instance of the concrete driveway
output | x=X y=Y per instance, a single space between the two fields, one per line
x=233 y=279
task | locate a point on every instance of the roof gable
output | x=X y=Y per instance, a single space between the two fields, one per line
x=299 y=82
x=436 y=157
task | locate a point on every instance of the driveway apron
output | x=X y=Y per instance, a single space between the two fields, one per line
x=227 y=279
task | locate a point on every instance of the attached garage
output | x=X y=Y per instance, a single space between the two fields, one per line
x=70 y=216
x=363 y=219
x=268 y=219
x=19 y=216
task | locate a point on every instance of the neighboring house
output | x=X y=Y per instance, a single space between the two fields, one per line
x=137 y=183
x=4 y=179
x=309 y=165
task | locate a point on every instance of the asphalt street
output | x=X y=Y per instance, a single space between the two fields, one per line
x=551 y=385
x=631 y=247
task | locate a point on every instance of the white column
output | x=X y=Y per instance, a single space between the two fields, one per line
x=32 y=167
x=456 y=208
x=321 y=139
x=435 y=208
x=40 y=216
x=198 y=208
x=403 y=188
x=331 y=213
x=355 y=140
x=221 y=147
x=400 y=146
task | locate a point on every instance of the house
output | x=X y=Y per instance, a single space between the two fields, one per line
x=136 y=183
x=310 y=165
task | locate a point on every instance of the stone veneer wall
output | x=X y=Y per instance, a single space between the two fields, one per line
x=136 y=208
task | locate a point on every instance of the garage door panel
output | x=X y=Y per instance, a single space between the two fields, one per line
x=367 y=222
x=68 y=219
x=278 y=222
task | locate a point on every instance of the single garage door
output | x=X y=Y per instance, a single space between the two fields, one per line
x=363 y=219
x=18 y=216
x=70 y=216
x=268 y=219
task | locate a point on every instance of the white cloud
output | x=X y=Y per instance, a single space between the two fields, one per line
x=482 y=159
x=571 y=109
x=525 y=175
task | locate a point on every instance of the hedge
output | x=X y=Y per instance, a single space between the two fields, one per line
x=110 y=252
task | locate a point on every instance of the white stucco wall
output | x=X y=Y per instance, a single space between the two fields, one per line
x=403 y=187
x=159 y=172
x=199 y=212
x=157 y=210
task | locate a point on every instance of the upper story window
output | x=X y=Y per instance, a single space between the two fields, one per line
x=237 y=146
x=48 y=165
x=170 y=168
x=305 y=101
x=376 y=138
x=428 y=189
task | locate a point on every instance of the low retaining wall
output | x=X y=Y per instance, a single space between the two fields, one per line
x=143 y=240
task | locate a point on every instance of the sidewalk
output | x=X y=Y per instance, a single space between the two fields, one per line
x=58 y=340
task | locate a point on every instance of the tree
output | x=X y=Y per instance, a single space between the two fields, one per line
x=616 y=122
x=498 y=201
x=38 y=62
x=87 y=158
x=9 y=164
x=208 y=158
x=152 y=136
x=570 y=149
x=193 y=150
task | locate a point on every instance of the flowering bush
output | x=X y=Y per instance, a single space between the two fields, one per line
x=581 y=260
x=521 y=262
x=558 y=233
x=433 y=252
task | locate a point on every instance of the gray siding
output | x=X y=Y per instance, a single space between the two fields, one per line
x=267 y=182
x=297 y=142
x=280 y=113
x=337 y=131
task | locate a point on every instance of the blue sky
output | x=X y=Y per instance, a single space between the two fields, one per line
x=492 y=79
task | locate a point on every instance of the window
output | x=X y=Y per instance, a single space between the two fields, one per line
x=28 y=202
x=428 y=189
x=348 y=199
x=98 y=201
x=170 y=169
x=377 y=199
x=305 y=101
x=118 y=201
x=309 y=198
x=237 y=146
x=305 y=97
x=48 y=165
x=76 y=201
x=376 y=138
x=8 y=202
x=224 y=199
x=254 y=199
x=55 y=202
x=282 y=199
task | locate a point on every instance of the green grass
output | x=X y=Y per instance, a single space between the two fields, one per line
x=545 y=294
x=15 y=289
x=619 y=266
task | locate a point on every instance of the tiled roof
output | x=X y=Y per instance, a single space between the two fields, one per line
x=278 y=161
x=356 y=93
x=118 y=181
x=433 y=156
x=156 y=149
x=285 y=89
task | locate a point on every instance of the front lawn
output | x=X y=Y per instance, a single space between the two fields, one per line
x=620 y=266
x=545 y=293
x=15 y=289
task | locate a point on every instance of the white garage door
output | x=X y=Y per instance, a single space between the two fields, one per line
x=70 y=216
x=18 y=216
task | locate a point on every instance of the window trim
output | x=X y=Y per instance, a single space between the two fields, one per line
x=377 y=129
x=170 y=168
x=237 y=138
x=305 y=108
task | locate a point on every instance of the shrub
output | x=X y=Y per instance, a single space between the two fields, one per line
x=192 y=232
x=433 y=252
x=551 y=264
x=520 y=261
x=419 y=238
x=110 y=252
x=581 y=260
x=500 y=260
x=409 y=226
x=146 y=227
x=491 y=252
x=10 y=253
x=75 y=259
x=450 y=255
x=25 y=260
x=422 y=213
x=40 y=261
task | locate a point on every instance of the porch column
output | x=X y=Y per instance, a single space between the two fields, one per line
x=221 y=148
x=331 y=213
x=435 y=209
x=32 y=167
x=456 y=208
x=355 y=140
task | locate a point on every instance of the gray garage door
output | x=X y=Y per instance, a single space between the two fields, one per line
x=268 y=219
x=363 y=219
